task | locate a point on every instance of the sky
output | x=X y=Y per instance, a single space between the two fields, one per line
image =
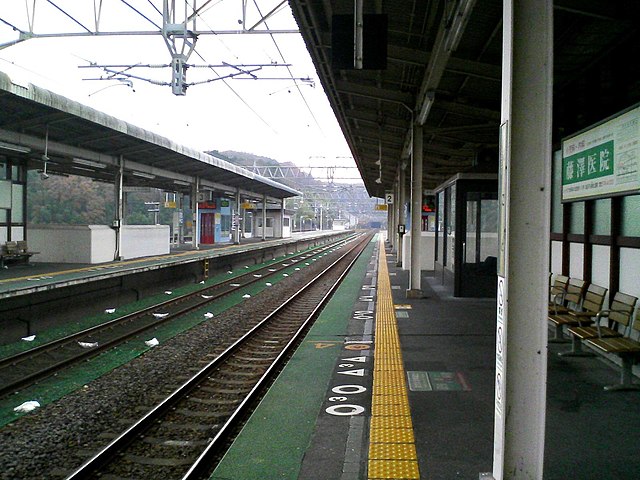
x=287 y=120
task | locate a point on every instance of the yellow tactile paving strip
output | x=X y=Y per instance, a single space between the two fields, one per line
x=392 y=451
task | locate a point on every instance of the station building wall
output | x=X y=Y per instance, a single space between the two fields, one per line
x=274 y=227
x=220 y=209
x=597 y=240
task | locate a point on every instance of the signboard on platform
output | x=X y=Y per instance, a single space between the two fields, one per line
x=500 y=385
x=381 y=206
x=604 y=160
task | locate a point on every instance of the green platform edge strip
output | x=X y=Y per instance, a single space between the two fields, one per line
x=270 y=444
x=52 y=389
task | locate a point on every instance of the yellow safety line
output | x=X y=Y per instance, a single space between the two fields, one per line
x=392 y=450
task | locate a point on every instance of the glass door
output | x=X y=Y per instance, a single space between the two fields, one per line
x=480 y=244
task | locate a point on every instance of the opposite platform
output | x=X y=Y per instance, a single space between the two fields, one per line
x=37 y=277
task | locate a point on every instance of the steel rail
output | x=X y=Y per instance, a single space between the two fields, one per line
x=248 y=278
x=104 y=456
x=204 y=460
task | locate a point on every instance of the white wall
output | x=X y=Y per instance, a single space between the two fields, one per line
x=600 y=265
x=276 y=229
x=576 y=251
x=556 y=258
x=144 y=240
x=286 y=231
x=630 y=271
x=427 y=251
x=95 y=243
x=72 y=243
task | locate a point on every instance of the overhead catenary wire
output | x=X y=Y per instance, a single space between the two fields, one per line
x=231 y=88
x=304 y=99
x=73 y=19
x=238 y=95
x=142 y=14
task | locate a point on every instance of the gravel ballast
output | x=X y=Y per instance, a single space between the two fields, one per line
x=55 y=439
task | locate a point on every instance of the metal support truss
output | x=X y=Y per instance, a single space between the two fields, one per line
x=178 y=29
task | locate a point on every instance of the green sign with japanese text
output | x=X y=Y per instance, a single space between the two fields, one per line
x=603 y=161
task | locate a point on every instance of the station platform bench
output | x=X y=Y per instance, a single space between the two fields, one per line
x=15 y=252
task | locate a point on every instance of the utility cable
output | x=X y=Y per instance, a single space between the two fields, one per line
x=237 y=94
x=68 y=15
x=142 y=14
x=291 y=74
x=232 y=89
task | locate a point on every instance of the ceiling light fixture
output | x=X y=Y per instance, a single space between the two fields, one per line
x=429 y=96
x=14 y=148
x=458 y=24
x=143 y=175
x=88 y=163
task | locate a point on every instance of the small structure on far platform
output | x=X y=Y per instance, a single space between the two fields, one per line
x=340 y=224
x=277 y=223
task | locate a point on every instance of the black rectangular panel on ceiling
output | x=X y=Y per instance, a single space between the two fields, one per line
x=374 y=42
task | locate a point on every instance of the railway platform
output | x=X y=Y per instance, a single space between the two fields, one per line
x=386 y=387
x=29 y=278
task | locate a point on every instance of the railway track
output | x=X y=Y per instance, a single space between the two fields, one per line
x=26 y=368
x=181 y=435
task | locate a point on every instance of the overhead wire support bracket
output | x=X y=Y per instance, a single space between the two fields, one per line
x=241 y=72
x=179 y=32
x=181 y=41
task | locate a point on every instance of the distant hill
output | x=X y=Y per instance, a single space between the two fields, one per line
x=247 y=160
x=336 y=198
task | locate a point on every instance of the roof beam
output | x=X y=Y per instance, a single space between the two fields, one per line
x=474 y=69
x=379 y=134
x=462 y=66
x=470 y=110
x=379 y=118
x=396 y=53
x=452 y=27
x=594 y=9
x=374 y=93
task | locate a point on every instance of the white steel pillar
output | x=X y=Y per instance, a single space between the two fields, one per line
x=119 y=217
x=264 y=217
x=523 y=263
x=195 y=188
x=394 y=207
x=390 y=225
x=282 y=220
x=414 y=290
x=401 y=215
x=236 y=233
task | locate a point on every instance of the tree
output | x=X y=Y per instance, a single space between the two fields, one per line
x=69 y=200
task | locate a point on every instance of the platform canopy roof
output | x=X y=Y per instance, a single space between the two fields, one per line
x=80 y=140
x=443 y=71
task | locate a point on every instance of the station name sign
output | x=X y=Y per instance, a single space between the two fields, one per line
x=604 y=160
